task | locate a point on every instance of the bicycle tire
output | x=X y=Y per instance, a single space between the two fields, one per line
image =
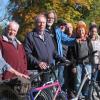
x=62 y=96
x=45 y=94
x=96 y=92
x=6 y=93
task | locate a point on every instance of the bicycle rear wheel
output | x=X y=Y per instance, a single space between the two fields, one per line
x=45 y=94
x=6 y=93
x=95 y=92
x=62 y=96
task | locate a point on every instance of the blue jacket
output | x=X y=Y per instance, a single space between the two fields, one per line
x=62 y=38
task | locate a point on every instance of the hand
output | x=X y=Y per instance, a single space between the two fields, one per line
x=78 y=40
x=74 y=70
x=43 y=65
x=23 y=75
x=18 y=73
x=99 y=67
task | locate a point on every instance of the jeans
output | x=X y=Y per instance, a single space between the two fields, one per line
x=61 y=74
x=95 y=74
x=81 y=71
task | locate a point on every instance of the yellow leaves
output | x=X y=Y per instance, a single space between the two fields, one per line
x=86 y=3
x=64 y=8
x=29 y=17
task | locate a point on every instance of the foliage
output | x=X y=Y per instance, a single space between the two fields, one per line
x=70 y=10
x=1 y=30
x=94 y=12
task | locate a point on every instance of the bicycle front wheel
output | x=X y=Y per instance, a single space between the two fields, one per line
x=45 y=94
x=95 y=92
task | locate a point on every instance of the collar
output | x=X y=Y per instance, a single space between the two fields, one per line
x=36 y=33
x=6 y=39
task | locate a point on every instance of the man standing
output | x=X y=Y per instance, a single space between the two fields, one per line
x=58 y=38
x=12 y=52
x=39 y=46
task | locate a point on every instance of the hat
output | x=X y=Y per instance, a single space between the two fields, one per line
x=61 y=22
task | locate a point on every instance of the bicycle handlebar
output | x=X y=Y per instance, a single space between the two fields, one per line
x=51 y=68
x=87 y=56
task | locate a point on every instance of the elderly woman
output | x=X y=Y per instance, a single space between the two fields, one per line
x=80 y=50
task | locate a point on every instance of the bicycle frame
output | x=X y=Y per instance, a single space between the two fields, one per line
x=87 y=76
x=49 y=84
x=81 y=86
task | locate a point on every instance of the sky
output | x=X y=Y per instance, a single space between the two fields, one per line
x=3 y=10
x=3 y=5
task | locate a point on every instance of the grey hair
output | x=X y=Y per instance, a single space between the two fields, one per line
x=13 y=22
x=38 y=16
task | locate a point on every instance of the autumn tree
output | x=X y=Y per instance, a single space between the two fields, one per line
x=70 y=10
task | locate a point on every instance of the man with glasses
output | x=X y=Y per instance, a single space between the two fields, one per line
x=58 y=38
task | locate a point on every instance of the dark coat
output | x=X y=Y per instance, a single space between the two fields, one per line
x=73 y=53
x=38 y=50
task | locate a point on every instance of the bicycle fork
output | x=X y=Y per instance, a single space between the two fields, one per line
x=81 y=86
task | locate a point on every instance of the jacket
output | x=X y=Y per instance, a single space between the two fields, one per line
x=62 y=38
x=38 y=50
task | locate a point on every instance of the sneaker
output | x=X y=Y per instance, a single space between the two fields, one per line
x=81 y=97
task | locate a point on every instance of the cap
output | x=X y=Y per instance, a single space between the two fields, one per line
x=61 y=22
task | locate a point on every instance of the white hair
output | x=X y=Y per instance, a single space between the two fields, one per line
x=13 y=22
x=37 y=17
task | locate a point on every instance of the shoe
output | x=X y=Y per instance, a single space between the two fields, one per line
x=81 y=97
x=71 y=95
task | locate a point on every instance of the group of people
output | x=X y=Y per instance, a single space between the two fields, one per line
x=48 y=41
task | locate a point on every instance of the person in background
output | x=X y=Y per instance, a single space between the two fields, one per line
x=80 y=50
x=51 y=24
x=70 y=30
x=51 y=19
x=62 y=25
x=69 y=71
x=94 y=41
x=59 y=38
x=12 y=53
x=98 y=77
x=99 y=29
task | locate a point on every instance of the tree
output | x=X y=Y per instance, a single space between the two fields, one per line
x=94 y=12
x=70 y=10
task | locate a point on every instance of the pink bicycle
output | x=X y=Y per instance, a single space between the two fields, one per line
x=50 y=90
